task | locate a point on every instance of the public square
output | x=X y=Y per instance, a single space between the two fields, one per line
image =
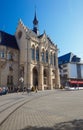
x=48 y=110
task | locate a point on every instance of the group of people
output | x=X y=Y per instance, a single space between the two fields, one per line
x=28 y=90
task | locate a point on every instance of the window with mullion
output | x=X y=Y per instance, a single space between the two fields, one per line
x=9 y=79
x=51 y=58
x=54 y=59
x=46 y=56
x=37 y=54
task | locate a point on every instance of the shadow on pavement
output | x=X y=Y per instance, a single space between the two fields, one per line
x=71 y=125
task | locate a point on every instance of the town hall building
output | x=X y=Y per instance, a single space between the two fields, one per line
x=29 y=56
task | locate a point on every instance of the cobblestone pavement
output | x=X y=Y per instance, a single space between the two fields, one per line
x=59 y=110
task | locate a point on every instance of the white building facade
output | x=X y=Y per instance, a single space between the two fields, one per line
x=71 y=68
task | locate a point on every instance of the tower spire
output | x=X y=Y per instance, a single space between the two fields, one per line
x=35 y=24
x=35 y=21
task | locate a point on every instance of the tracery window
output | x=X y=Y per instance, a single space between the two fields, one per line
x=46 y=56
x=54 y=59
x=51 y=58
x=37 y=54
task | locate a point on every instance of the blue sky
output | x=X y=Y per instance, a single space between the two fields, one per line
x=61 y=19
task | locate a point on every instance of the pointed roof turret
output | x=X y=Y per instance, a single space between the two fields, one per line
x=35 y=24
x=35 y=21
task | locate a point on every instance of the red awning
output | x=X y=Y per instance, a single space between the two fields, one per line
x=73 y=82
x=76 y=82
x=80 y=82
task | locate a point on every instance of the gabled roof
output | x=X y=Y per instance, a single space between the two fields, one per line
x=69 y=57
x=48 y=38
x=8 y=40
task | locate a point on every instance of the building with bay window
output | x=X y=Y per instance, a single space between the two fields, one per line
x=29 y=55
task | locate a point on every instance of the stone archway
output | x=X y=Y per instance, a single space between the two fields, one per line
x=35 y=77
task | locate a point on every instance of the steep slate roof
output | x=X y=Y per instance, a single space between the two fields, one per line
x=64 y=59
x=70 y=57
x=8 y=40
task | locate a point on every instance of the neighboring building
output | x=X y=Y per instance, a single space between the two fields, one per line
x=71 y=69
x=30 y=56
x=9 y=63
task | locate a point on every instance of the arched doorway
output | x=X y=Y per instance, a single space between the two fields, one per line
x=35 y=77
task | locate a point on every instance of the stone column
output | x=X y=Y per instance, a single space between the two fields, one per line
x=28 y=63
x=25 y=75
x=50 y=85
x=57 y=76
x=29 y=76
x=40 y=78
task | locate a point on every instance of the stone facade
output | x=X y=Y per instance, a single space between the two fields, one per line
x=9 y=67
x=35 y=61
x=38 y=58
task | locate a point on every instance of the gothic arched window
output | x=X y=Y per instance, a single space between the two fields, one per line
x=54 y=59
x=37 y=54
x=51 y=58
x=46 y=56
x=33 y=53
